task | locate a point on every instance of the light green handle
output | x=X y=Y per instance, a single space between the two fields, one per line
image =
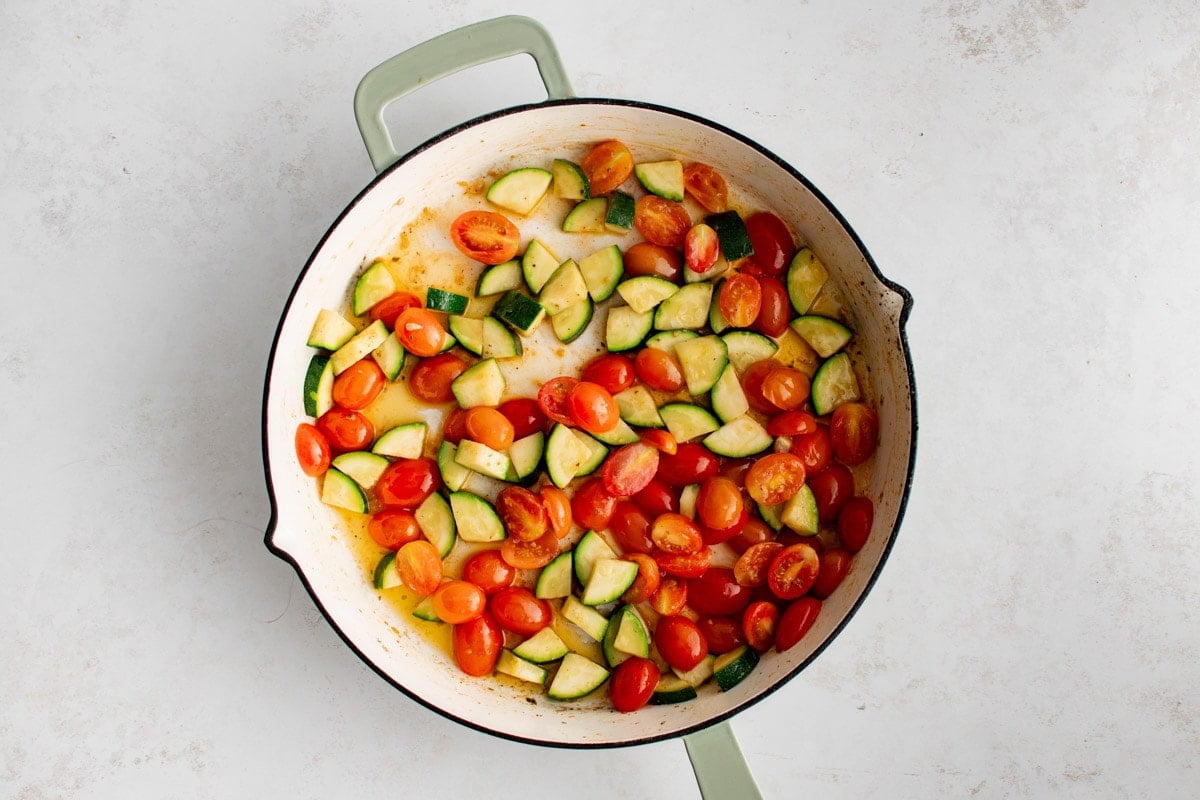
x=444 y=55
x=720 y=768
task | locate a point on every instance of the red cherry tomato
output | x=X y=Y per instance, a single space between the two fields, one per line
x=814 y=449
x=419 y=567
x=477 y=645
x=675 y=534
x=391 y=306
x=793 y=571
x=523 y=513
x=854 y=431
x=754 y=563
x=408 y=482
x=607 y=165
x=722 y=634
x=312 y=449
x=392 y=529
x=684 y=565
x=558 y=510
x=796 y=621
x=706 y=186
x=785 y=388
x=517 y=610
x=680 y=642
x=755 y=532
x=719 y=506
x=630 y=526
x=835 y=563
x=658 y=369
x=592 y=407
x=691 y=463
x=700 y=248
x=489 y=571
x=647 y=582
x=489 y=427
x=593 y=505
x=773 y=244
x=775 y=478
x=791 y=423
x=648 y=258
x=530 y=555
x=831 y=487
x=776 y=309
x=657 y=498
x=458 y=601
x=485 y=236
x=431 y=377
x=671 y=596
x=759 y=623
x=552 y=398
x=454 y=428
x=854 y=523
x=420 y=332
x=752 y=385
x=663 y=222
x=716 y=593
x=358 y=385
x=632 y=683
x=740 y=300
x=525 y=415
x=345 y=430
x=612 y=371
x=629 y=469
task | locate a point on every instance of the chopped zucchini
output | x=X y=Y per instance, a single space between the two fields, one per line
x=834 y=384
x=564 y=289
x=800 y=512
x=668 y=340
x=537 y=265
x=544 y=646
x=746 y=347
x=318 y=386
x=500 y=278
x=402 y=441
x=555 y=578
x=385 y=575
x=468 y=331
x=626 y=636
x=566 y=453
x=330 y=331
x=663 y=178
x=475 y=518
x=454 y=475
x=586 y=618
x=742 y=437
x=645 y=292
x=697 y=675
x=688 y=496
x=824 y=335
x=625 y=328
x=588 y=216
x=621 y=434
x=727 y=398
x=570 y=181
x=806 y=275
x=445 y=300
x=703 y=360
x=481 y=384
x=373 y=285
x=390 y=356
x=609 y=579
x=480 y=458
x=577 y=676
x=620 y=212
x=520 y=190
x=525 y=454
x=499 y=341
x=686 y=309
x=364 y=467
x=340 y=491
x=359 y=346
x=436 y=519
x=686 y=421
x=591 y=548
x=637 y=407
x=519 y=668
x=672 y=689
x=519 y=311
x=572 y=321
x=731 y=232
x=731 y=668
x=602 y=272
x=424 y=610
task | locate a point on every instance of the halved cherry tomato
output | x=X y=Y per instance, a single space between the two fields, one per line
x=835 y=563
x=408 y=482
x=722 y=634
x=753 y=564
x=752 y=385
x=658 y=369
x=552 y=398
x=657 y=498
x=607 y=165
x=632 y=683
x=675 y=534
x=791 y=423
x=558 y=509
x=393 y=528
x=523 y=514
x=684 y=565
x=345 y=430
x=853 y=429
x=671 y=596
x=390 y=307
x=454 y=428
x=630 y=526
x=759 y=622
x=485 y=236
x=629 y=469
x=477 y=645
x=420 y=332
x=518 y=610
x=530 y=555
x=648 y=579
x=776 y=309
x=691 y=463
x=419 y=567
x=854 y=522
x=716 y=593
x=796 y=621
x=525 y=415
x=773 y=244
x=663 y=222
x=814 y=449
x=312 y=449
x=755 y=532
x=358 y=385
x=592 y=407
x=700 y=248
x=775 y=478
x=785 y=388
x=719 y=506
x=431 y=377
x=793 y=571
x=680 y=642
x=832 y=487
x=706 y=186
x=612 y=371
x=593 y=505
x=489 y=427
x=458 y=601
x=648 y=258
x=740 y=300
x=488 y=570
x=660 y=439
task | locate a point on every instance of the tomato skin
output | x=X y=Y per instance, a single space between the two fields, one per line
x=661 y=440
x=358 y=385
x=832 y=487
x=680 y=642
x=391 y=306
x=775 y=478
x=611 y=371
x=312 y=450
x=706 y=186
x=793 y=571
x=630 y=526
x=722 y=634
x=854 y=523
x=408 y=482
x=419 y=567
x=648 y=580
x=752 y=385
x=670 y=597
x=420 y=332
x=814 y=449
x=454 y=427
x=753 y=564
x=485 y=236
x=719 y=506
x=558 y=510
x=700 y=248
x=607 y=165
x=592 y=407
x=657 y=498
x=661 y=221
x=523 y=514
x=759 y=623
x=675 y=534
x=796 y=620
x=835 y=563
x=791 y=423
x=516 y=609
x=593 y=505
x=489 y=427
x=854 y=432
x=716 y=593
x=691 y=463
x=648 y=258
x=477 y=645
x=530 y=555
x=430 y=379
x=658 y=369
x=740 y=299
x=755 y=532
x=786 y=388
x=632 y=683
x=345 y=430
x=489 y=571
x=393 y=528
x=684 y=565
x=773 y=244
x=775 y=309
x=456 y=602
x=629 y=469
x=525 y=415
x=552 y=398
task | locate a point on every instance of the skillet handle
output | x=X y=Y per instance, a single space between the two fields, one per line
x=444 y=55
x=720 y=768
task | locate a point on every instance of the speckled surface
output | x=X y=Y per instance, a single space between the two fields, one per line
x=1026 y=168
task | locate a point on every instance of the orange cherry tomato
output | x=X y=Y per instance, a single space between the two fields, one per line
x=489 y=427
x=775 y=310
x=592 y=407
x=485 y=236
x=612 y=371
x=607 y=165
x=312 y=449
x=390 y=307
x=700 y=248
x=630 y=526
x=854 y=431
x=660 y=439
x=854 y=523
x=346 y=430
x=431 y=377
x=518 y=610
x=629 y=469
x=420 y=332
x=358 y=385
x=458 y=601
x=523 y=514
x=796 y=620
x=593 y=505
x=706 y=186
x=408 y=482
x=753 y=564
x=658 y=369
x=552 y=398
x=648 y=258
x=392 y=529
x=740 y=300
x=632 y=683
x=775 y=478
x=835 y=563
x=680 y=642
x=661 y=221
x=759 y=622
x=793 y=571
x=752 y=385
x=785 y=388
x=648 y=580
x=558 y=509
x=719 y=506
x=530 y=555
x=488 y=570
x=670 y=597
x=477 y=644
x=419 y=567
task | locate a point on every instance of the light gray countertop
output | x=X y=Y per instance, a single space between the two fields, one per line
x=1027 y=170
